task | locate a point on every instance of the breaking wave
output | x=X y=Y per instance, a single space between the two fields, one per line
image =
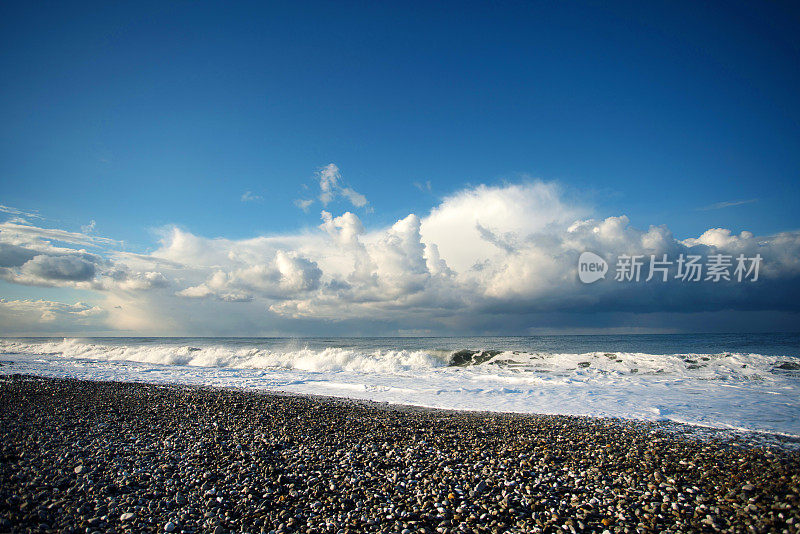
x=722 y=366
x=327 y=359
x=727 y=390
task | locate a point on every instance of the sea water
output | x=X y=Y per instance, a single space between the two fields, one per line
x=734 y=381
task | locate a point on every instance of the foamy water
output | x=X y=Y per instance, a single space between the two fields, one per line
x=733 y=390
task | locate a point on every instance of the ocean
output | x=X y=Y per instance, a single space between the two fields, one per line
x=743 y=382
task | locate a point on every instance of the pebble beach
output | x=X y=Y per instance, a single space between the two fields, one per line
x=81 y=456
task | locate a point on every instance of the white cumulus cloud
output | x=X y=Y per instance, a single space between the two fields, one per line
x=486 y=258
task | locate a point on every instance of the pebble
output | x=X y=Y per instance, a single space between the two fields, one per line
x=203 y=460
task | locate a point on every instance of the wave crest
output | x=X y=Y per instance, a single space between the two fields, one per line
x=723 y=366
x=304 y=359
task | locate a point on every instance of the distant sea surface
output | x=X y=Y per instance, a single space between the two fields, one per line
x=734 y=381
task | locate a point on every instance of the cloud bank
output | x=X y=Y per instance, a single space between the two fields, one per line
x=487 y=259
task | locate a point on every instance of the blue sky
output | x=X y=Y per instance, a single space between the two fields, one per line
x=141 y=116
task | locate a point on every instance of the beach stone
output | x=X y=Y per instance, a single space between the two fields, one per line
x=300 y=464
x=480 y=488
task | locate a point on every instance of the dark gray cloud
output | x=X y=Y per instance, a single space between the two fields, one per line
x=14 y=256
x=60 y=268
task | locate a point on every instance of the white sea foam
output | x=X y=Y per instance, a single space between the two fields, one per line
x=328 y=359
x=725 y=390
